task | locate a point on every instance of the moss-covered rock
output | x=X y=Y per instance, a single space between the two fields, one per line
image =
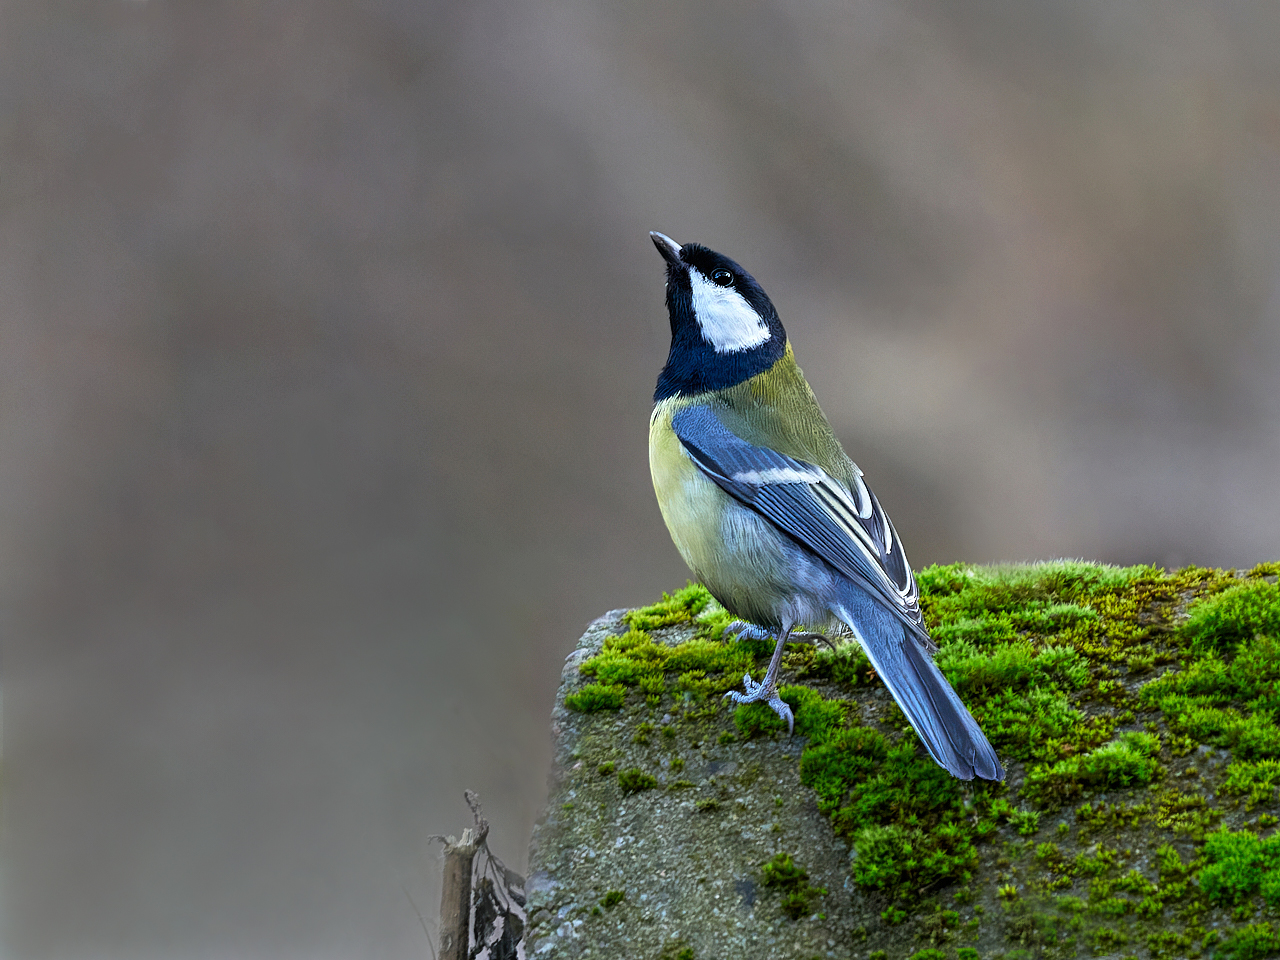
x=1137 y=712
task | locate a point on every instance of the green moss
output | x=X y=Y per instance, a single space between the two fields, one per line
x=753 y=719
x=1035 y=724
x=635 y=780
x=1048 y=853
x=711 y=656
x=930 y=953
x=1257 y=941
x=793 y=880
x=893 y=915
x=695 y=684
x=1135 y=882
x=1241 y=864
x=613 y=898
x=1248 y=735
x=1040 y=593
x=1234 y=616
x=1106 y=939
x=1129 y=760
x=1051 y=659
x=1186 y=814
x=1097 y=863
x=782 y=871
x=614 y=668
x=847 y=665
x=1027 y=822
x=1016 y=665
x=678 y=607
x=677 y=949
x=1169 y=863
x=939 y=926
x=830 y=767
x=1232 y=702
x=897 y=859
x=816 y=717
x=907 y=788
x=596 y=696
x=705 y=667
x=1102 y=816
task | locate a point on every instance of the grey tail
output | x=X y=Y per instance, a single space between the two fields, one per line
x=950 y=734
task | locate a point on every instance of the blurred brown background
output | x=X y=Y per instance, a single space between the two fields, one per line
x=328 y=337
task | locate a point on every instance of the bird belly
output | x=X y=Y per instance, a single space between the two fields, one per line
x=755 y=570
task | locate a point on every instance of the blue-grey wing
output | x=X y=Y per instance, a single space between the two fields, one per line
x=845 y=525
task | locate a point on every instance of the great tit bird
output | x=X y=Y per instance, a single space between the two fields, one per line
x=769 y=512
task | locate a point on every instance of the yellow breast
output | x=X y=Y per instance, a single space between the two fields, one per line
x=691 y=504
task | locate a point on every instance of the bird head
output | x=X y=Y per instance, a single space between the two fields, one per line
x=724 y=328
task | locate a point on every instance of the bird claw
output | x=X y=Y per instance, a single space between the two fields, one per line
x=766 y=692
x=812 y=638
x=755 y=691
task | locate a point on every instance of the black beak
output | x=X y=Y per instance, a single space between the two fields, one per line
x=669 y=249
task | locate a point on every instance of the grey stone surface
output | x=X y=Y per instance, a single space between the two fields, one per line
x=687 y=857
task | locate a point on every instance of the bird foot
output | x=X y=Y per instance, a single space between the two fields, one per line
x=765 y=691
x=749 y=631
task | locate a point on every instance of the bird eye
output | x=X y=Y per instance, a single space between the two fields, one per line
x=722 y=278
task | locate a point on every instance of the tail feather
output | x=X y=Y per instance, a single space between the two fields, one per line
x=949 y=732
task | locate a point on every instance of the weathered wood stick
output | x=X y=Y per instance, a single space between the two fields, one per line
x=455 y=897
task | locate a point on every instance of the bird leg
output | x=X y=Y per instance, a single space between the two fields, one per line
x=767 y=689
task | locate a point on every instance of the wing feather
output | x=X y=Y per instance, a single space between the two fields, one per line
x=846 y=526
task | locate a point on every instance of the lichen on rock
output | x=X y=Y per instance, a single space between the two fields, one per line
x=1136 y=711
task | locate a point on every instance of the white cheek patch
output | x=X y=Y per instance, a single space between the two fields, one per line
x=727 y=321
